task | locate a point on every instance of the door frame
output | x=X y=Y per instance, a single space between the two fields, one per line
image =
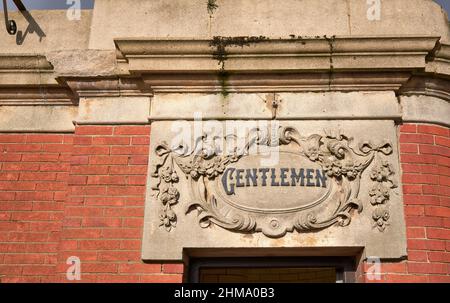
x=345 y=266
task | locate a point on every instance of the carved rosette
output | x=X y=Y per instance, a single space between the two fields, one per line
x=342 y=163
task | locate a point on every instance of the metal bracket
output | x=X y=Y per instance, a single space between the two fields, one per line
x=273 y=102
x=11 y=26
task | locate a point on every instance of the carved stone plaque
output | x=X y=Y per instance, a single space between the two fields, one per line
x=311 y=184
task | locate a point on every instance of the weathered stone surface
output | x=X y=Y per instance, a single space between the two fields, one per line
x=37 y=118
x=233 y=18
x=425 y=109
x=332 y=105
x=60 y=32
x=129 y=110
x=188 y=207
x=94 y=62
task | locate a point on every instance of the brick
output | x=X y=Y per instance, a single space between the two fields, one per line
x=136 y=160
x=40 y=158
x=34 y=196
x=32 y=216
x=140 y=268
x=437 y=211
x=125 y=190
x=25 y=258
x=38 y=176
x=129 y=150
x=419 y=159
x=117 y=278
x=103 y=180
x=90 y=170
x=94 y=130
x=9 y=176
x=12 y=138
x=137 y=180
x=111 y=140
x=434 y=190
x=434 y=150
x=414 y=210
x=122 y=233
x=20 y=167
x=417 y=244
x=396 y=278
x=409 y=148
x=442 y=141
x=420 y=179
x=8 y=157
x=439 y=279
x=91 y=150
x=77 y=180
x=408 y=128
x=434 y=130
x=45 y=226
x=412 y=189
x=128 y=170
x=133 y=222
x=162 y=278
x=6 y=196
x=175 y=268
x=423 y=221
x=131 y=130
x=102 y=222
x=99 y=244
x=82 y=140
x=79 y=160
x=21 y=147
x=421 y=200
x=125 y=212
x=439 y=256
x=54 y=167
x=106 y=201
x=417 y=255
x=438 y=233
x=427 y=268
x=444 y=181
x=83 y=211
x=38 y=270
x=144 y=140
x=108 y=160
x=125 y=256
x=415 y=232
x=441 y=160
x=99 y=268
x=45 y=138
x=416 y=138
x=9 y=270
x=57 y=148
x=53 y=186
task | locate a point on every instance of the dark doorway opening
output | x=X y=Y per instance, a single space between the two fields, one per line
x=273 y=270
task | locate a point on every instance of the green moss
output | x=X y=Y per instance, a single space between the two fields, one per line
x=224 y=80
x=220 y=44
x=212 y=6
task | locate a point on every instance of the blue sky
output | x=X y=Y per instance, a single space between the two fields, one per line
x=61 y=4
x=46 y=4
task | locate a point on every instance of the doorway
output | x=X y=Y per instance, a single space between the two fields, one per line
x=272 y=270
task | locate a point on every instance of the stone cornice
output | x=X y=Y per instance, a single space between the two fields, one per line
x=249 y=54
x=296 y=64
x=25 y=69
x=107 y=86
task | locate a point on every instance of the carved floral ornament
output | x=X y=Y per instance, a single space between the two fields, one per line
x=333 y=152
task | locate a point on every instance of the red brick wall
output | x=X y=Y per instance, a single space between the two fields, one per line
x=83 y=195
x=76 y=195
x=33 y=184
x=425 y=159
